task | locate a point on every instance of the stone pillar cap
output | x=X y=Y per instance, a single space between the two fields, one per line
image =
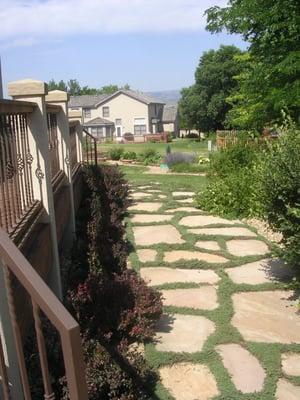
x=27 y=87
x=57 y=96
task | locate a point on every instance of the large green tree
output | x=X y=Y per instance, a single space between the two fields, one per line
x=272 y=81
x=203 y=106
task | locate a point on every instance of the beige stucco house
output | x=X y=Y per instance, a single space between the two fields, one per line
x=125 y=111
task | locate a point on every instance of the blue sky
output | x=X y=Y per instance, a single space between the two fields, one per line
x=150 y=44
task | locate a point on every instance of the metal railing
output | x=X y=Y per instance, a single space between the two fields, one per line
x=16 y=267
x=73 y=146
x=53 y=140
x=16 y=158
x=89 y=148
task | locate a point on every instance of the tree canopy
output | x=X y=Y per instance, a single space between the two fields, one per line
x=203 y=106
x=74 y=88
x=272 y=80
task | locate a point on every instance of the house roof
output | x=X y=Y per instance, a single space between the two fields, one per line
x=170 y=113
x=88 y=101
x=98 y=122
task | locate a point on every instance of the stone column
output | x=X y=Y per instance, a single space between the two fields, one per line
x=60 y=98
x=35 y=91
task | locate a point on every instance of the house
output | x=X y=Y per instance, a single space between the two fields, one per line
x=125 y=111
x=171 y=119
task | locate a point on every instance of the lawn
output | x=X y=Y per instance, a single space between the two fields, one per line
x=180 y=145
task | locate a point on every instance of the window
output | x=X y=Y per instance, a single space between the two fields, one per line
x=105 y=112
x=87 y=113
x=97 y=131
x=140 y=130
x=118 y=121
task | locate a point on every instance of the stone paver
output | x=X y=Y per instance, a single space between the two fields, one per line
x=185 y=209
x=183 y=333
x=287 y=391
x=208 y=245
x=231 y=231
x=270 y=316
x=245 y=370
x=162 y=196
x=154 y=234
x=259 y=272
x=140 y=195
x=201 y=220
x=290 y=363
x=251 y=247
x=186 y=194
x=187 y=381
x=176 y=255
x=188 y=200
x=146 y=255
x=203 y=298
x=154 y=191
x=149 y=218
x=162 y=275
x=146 y=206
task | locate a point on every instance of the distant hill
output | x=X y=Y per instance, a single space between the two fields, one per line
x=168 y=96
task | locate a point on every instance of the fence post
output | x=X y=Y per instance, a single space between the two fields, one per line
x=35 y=91
x=61 y=99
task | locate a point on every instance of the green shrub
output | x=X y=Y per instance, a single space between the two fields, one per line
x=149 y=156
x=116 y=153
x=129 y=155
x=279 y=191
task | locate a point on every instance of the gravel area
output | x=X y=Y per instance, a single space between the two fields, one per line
x=264 y=229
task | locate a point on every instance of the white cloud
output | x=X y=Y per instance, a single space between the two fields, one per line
x=25 y=20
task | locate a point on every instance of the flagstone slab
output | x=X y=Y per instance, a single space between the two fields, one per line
x=201 y=220
x=208 y=245
x=146 y=206
x=247 y=374
x=148 y=218
x=186 y=194
x=259 y=272
x=183 y=209
x=290 y=363
x=188 y=381
x=162 y=196
x=188 y=201
x=144 y=187
x=154 y=234
x=162 y=275
x=183 y=333
x=146 y=255
x=230 y=231
x=154 y=191
x=267 y=316
x=140 y=195
x=287 y=391
x=203 y=298
x=243 y=248
x=176 y=255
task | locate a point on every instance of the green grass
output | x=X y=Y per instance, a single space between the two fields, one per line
x=268 y=354
x=181 y=145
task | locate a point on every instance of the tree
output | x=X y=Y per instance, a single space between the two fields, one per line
x=74 y=87
x=204 y=106
x=272 y=83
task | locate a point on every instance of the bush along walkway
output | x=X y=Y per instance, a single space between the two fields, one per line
x=230 y=328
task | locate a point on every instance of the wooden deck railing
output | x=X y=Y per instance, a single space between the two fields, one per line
x=16 y=267
x=73 y=145
x=89 y=148
x=16 y=157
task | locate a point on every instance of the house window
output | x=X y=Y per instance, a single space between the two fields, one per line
x=97 y=132
x=105 y=112
x=87 y=113
x=118 y=121
x=140 y=130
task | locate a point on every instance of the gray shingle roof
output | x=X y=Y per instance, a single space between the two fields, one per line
x=87 y=100
x=98 y=122
x=90 y=101
x=170 y=113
